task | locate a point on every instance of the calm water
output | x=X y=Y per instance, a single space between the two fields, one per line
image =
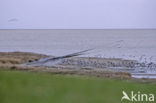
x=128 y=44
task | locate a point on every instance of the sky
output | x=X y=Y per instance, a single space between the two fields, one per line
x=77 y=14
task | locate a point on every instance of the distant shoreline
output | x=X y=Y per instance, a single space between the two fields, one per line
x=87 y=29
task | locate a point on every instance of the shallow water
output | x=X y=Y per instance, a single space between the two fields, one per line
x=137 y=45
x=144 y=75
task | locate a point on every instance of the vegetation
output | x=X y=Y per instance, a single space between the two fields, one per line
x=32 y=87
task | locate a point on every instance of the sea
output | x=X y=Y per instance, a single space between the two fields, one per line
x=134 y=44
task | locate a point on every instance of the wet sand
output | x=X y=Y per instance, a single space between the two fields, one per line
x=12 y=61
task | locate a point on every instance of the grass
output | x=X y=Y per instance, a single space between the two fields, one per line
x=30 y=87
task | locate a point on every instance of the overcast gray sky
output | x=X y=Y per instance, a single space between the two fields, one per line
x=77 y=14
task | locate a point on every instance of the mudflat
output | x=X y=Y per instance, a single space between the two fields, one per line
x=13 y=61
